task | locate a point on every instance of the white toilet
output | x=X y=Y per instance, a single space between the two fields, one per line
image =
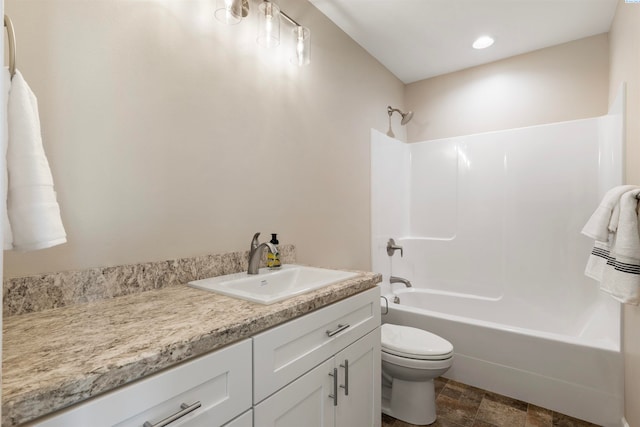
x=411 y=359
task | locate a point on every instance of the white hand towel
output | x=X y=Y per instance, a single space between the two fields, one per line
x=7 y=235
x=597 y=261
x=34 y=213
x=621 y=276
x=615 y=218
x=598 y=225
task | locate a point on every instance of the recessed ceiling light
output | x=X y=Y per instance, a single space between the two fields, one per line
x=482 y=42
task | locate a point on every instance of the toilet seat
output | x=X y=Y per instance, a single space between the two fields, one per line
x=414 y=343
x=416 y=364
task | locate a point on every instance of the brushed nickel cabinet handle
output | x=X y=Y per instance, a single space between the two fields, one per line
x=185 y=409
x=346 y=377
x=337 y=330
x=333 y=396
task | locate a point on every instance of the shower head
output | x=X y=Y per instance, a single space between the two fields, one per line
x=406 y=117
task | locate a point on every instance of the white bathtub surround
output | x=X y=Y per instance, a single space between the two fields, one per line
x=490 y=227
x=615 y=262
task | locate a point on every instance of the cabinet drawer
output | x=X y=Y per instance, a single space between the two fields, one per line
x=219 y=381
x=283 y=353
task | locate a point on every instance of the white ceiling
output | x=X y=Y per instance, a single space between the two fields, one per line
x=418 y=39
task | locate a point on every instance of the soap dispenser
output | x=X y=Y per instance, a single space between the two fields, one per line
x=273 y=259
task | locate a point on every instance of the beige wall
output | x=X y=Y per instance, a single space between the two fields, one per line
x=625 y=67
x=171 y=135
x=559 y=83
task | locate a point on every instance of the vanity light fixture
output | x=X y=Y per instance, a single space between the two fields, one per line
x=231 y=11
x=268 y=24
x=269 y=14
x=482 y=42
x=301 y=42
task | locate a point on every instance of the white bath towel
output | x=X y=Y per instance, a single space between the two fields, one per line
x=7 y=235
x=616 y=263
x=598 y=260
x=621 y=277
x=34 y=214
x=598 y=226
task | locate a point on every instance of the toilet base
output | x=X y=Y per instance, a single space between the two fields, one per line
x=413 y=402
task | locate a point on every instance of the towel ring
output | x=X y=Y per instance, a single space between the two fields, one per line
x=12 y=45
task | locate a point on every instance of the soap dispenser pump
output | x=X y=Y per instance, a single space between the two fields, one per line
x=273 y=259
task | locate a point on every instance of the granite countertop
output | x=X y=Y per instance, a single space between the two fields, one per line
x=58 y=357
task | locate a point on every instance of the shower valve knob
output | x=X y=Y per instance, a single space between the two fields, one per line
x=392 y=248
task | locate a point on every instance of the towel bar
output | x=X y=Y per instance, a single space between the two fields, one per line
x=12 y=45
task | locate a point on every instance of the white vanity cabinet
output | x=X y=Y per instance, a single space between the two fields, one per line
x=279 y=377
x=343 y=391
x=210 y=390
x=322 y=369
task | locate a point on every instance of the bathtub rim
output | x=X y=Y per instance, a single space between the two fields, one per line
x=608 y=344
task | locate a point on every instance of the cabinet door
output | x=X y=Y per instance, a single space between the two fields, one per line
x=244 y=420
x=359 y=378
x=304 y=402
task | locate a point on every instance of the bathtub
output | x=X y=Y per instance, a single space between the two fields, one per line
x=572 y=365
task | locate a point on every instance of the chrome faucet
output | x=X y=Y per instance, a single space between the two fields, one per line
x=256 y=251
x=395 y=279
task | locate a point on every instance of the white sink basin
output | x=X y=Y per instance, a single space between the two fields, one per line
x=269 y=286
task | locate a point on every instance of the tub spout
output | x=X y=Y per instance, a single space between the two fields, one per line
x=395 y=279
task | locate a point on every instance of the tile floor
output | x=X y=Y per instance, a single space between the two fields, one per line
x=460 y=405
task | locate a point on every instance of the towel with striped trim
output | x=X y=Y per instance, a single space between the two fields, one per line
x=615 y=263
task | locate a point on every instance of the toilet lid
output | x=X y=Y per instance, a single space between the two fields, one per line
x=414 y=343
